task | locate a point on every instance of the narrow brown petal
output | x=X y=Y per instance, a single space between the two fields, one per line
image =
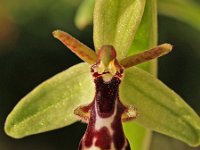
x=81 y=50
x=146 y=55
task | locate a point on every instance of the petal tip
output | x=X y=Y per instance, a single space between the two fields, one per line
x=56 y=33
x=166 y=47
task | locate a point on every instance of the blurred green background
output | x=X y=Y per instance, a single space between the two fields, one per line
x=29 y=55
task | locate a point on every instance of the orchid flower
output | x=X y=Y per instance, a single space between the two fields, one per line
x=121 y=29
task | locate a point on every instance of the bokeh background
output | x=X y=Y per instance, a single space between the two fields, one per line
x=29 y=55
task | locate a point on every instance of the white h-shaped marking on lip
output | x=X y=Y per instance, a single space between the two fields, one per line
x=105 y=122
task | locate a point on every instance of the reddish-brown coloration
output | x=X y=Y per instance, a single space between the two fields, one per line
x=103 y=135
x=83 y=112
x=146 y=55
x=118 y=135
x=111 y=52
x=104 y=114
x=105 y=97
x=106 y=104
x=81 y=50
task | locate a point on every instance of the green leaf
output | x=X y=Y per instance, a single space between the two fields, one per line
x=171 y=8
x=138 y=136
x=84 y=15
x=50 y=105
x=168 y=143
x=159 y=108
x=184 y=10
x=146 y=35
x=116 y=22
x=145 y=38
